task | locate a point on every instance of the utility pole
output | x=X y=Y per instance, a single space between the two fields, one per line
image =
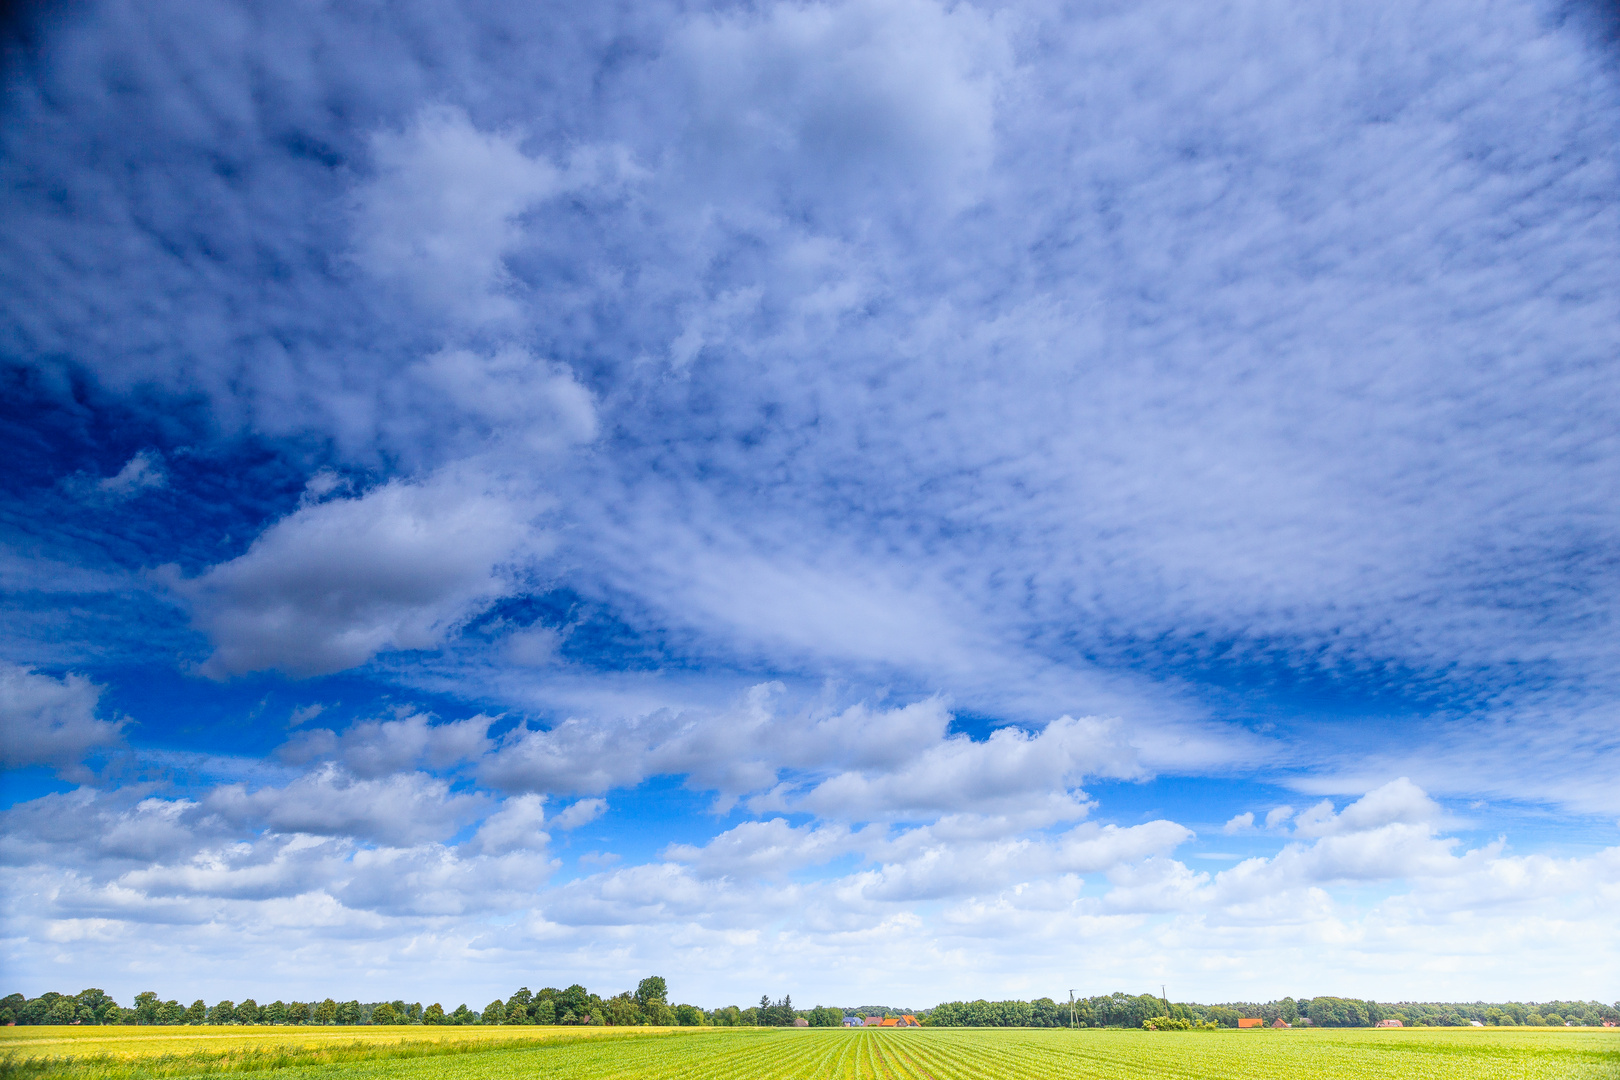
x=1071 y=1008
x=1166 y=998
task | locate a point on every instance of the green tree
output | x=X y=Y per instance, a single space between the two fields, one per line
x=545 y=1012
x=326 y=1012
x=577 y=1000
x=434 y=1014
x=463 y=1015
x=146 y=1007
x=494 y=1012
x=275 y=1012
x=198 y=1013
x=171 y=1013
x=384 y=1014
x=223 y=1013
x=652 y=989
x=348 y=1012
x=689 y=1016
x=249 y=1012
x=621 y=1010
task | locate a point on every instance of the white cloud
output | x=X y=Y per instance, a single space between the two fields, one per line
x=1278 y=816
x=332 y=584
x=580 y=813
x=50 y=721
x=1397 y=802
x=1002 y=773
x=1239 y=823
x=439 y=215
x=142 y=472
x=372 y=748
x=401 y=809
x=827 y=98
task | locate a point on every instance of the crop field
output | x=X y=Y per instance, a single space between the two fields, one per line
x=817 y=1054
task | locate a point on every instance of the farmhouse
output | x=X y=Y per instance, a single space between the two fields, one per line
x=801 y=1022
x=873 y=1021
x=1281 y=1023
x=909 y=1021
x=1389 y=1023
x=1254 y=1022
x=851 y=1020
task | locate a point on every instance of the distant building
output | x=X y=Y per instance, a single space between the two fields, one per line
x=889 y=1021
x=873 y=1021
x=909 y=1021
x=1389 y=1023
x=852 y=1020
x=1247 y=1022
x=1280 y=1023
x=801 y=1022
x=1475 y=1023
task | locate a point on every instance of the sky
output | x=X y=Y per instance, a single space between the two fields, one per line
x=871 y=500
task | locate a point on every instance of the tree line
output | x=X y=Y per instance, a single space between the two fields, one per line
x=1151 y=1011
x=649 y=1004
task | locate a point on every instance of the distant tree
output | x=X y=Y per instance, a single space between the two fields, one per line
x=434 y=1014
x=463 y=1015
x=274 y=1013
x=384 y=1014
x=545 y=1012
x=652 y=990
x=494 y=1012
x=326 y=1012
x=577 y=1000
x=690 y=1016
x=249 y=1012
x=348 y=1012
x=621 y=1010
x=93 y=1005
x=198 y=1013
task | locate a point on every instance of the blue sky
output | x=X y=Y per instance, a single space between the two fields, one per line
x=866 y=500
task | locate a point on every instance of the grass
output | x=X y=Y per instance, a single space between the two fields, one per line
x=754 y=1054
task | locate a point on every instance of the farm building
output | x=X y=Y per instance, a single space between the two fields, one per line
x=1281 y=1023
x=909 y=1021
x=801 y=1022
x=1389 y=1023
x=852 y=1021
x=873 y=1021
x=1249 y=1022
x=889 y=1021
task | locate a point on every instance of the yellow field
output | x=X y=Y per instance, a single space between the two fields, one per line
x=132 y=1043
x=534 y=1053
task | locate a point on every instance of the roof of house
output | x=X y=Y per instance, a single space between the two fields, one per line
x=890 y=1022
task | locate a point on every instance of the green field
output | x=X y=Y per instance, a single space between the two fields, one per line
x=519 y=1053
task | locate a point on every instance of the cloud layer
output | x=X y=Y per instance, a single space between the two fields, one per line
x=743 y=487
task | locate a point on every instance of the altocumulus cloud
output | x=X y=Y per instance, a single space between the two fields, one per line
x=732 y=490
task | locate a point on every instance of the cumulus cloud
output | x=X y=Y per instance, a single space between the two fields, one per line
x=829 y=98
x=1239 y=823
x=332 y=584
x=997 y=774
x=402 y=809
x=439 y=213
x=373 y=748
x=52 y=721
